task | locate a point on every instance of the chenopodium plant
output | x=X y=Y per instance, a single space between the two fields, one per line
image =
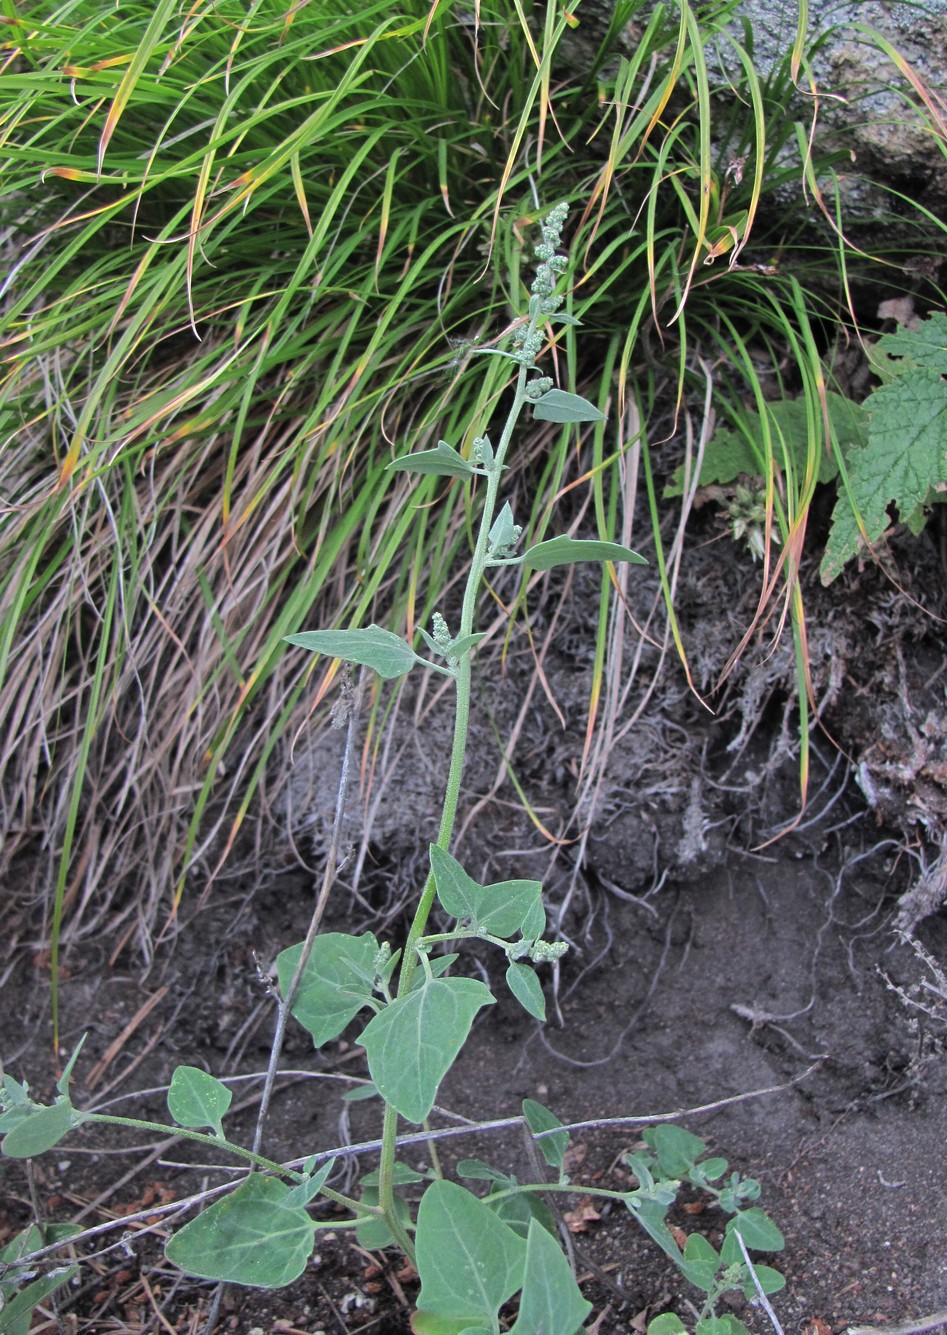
x=473 y=1253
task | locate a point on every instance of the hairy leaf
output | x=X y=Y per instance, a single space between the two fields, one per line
x=904 y=462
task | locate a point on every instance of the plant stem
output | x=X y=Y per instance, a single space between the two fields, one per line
x=463 y=678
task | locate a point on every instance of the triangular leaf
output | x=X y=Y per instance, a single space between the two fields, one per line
x=500 y=909
x=386 y=653
x=251 y=1237
x=469 y=1261
x=412 y=1044
x=558 y=406
x=677 y=1150
x=198 y=1099
x=41 y=1130
x=565 y=551
x=443 y=461
x=757 y=1230
x=552 y=1301
x=336 y=983
x=526 y=987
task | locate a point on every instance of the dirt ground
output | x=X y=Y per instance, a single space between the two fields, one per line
x=707 y=964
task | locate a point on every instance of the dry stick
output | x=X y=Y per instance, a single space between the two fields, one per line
x=350 y=703
x=905 y=1328
x=420 y=1137
x=764 y=1301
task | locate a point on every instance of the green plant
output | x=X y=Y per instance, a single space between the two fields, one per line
x=473 y=1254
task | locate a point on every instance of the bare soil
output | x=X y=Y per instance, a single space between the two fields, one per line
x=709 y=962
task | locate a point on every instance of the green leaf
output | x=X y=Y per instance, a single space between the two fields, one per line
x=41 y=1130
x=502 y=533
x=718 y=1325
x=412 y=1044
x=558 y=406
x=700 y=1262
x=771 y=1281
x=484 y=1172
x=500 y=909
x=463 y=645
x=668 y=1323
x=757 y=1230
x=732 y=451
x=565 y=551
x=444 y=461
x=360 y=1093
x=251 y=1237
x=519 y=1209
x=469 y=1261
x=198 y=1099
x=386 y=653
x=428 y=1323
x=552 y=1301
x=337 y=982
x=372 y=1231
x=538 y=1118
x=904 y=462
x=16 y=1303
x=526 y=987
x=62 y=1084
x=650 y=1215
x=926 y=346
x=560 y=317
x=677 y=1150
x=306 y=1191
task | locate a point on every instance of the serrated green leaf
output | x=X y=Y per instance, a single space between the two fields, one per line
x=732 y=452
x=198 y=1099
x=384 y=652
x=41 y=1130
x=412 y=1044
x=565 y=551
x=442 y=461
x=251 y=1237
x=925 y=346
x=757 y=1230
x=526 y=987
x=500 y=909
x=538 y=1118
x=336 y=983
x=551 y=1301
x=469 y=1261
x=556 y=405
x=903 y=462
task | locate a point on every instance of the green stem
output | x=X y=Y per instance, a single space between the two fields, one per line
x=463 y=678
x=202 y=1139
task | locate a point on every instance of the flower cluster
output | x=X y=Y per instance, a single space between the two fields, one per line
x=528 y=341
